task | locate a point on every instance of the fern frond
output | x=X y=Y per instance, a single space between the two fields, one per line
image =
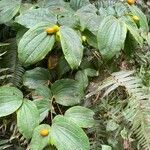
x=17 y=75
x=10 y=60
x=137 y=111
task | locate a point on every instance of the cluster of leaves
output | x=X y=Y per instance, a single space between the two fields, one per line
x=46 y=64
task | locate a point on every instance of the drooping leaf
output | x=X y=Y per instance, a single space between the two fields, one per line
x=27 y=118
x=36 y=77
x=71 y=46
x=142 y=18
x=10 y=100
x=35 y=44
x=111 y=37
x=67 y=135
x=77 y=4
x=39 y=142
x=8 y=9
x=82 y=116
x=34 y=16
x=132 y=27
x=67 y=92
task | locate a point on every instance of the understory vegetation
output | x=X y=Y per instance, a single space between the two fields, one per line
x=74 y=75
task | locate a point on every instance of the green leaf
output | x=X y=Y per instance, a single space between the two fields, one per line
x=43 y=106
x=39 y=142
x=82 y=76
x=10 y=100
x=68 y=19
x=91 y=38
x=43 y=92
x=133 y=29
x=103 y=12
x=88 y=18
x=35 y=44
x=51 y=3
x=77 y=4
x=34 y=16
x=90 y=22
x=36 y=77
x=50 y=147
x=42 y=99
x=82 y=116
x=8 y=9
x=67 y=92
x=121 y=9
x=71 y=46
x=82 y=79
x=91 y=72
x=62 y=66
x=106 y=147
x=143 y=20
x=87 y=9
x=67 y=135
x=111 y=37
x=130 y=44
x=25 y=7
x=27 y=118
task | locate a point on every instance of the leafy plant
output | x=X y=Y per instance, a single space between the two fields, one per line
x=46 y=65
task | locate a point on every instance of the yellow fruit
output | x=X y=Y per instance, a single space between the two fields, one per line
x=131 y=2
x=50 y=31
x=44 y=132
x=53 y=29
x=56 y=28
x=84 y=38
x=57 y=36
x=136 y=18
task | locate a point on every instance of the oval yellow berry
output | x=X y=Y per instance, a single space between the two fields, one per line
x=83 y=38
x=131 y=2
x=56 y=28
x=50 y=31
x=44 y=132
x=57 y=36
x=136 y=18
